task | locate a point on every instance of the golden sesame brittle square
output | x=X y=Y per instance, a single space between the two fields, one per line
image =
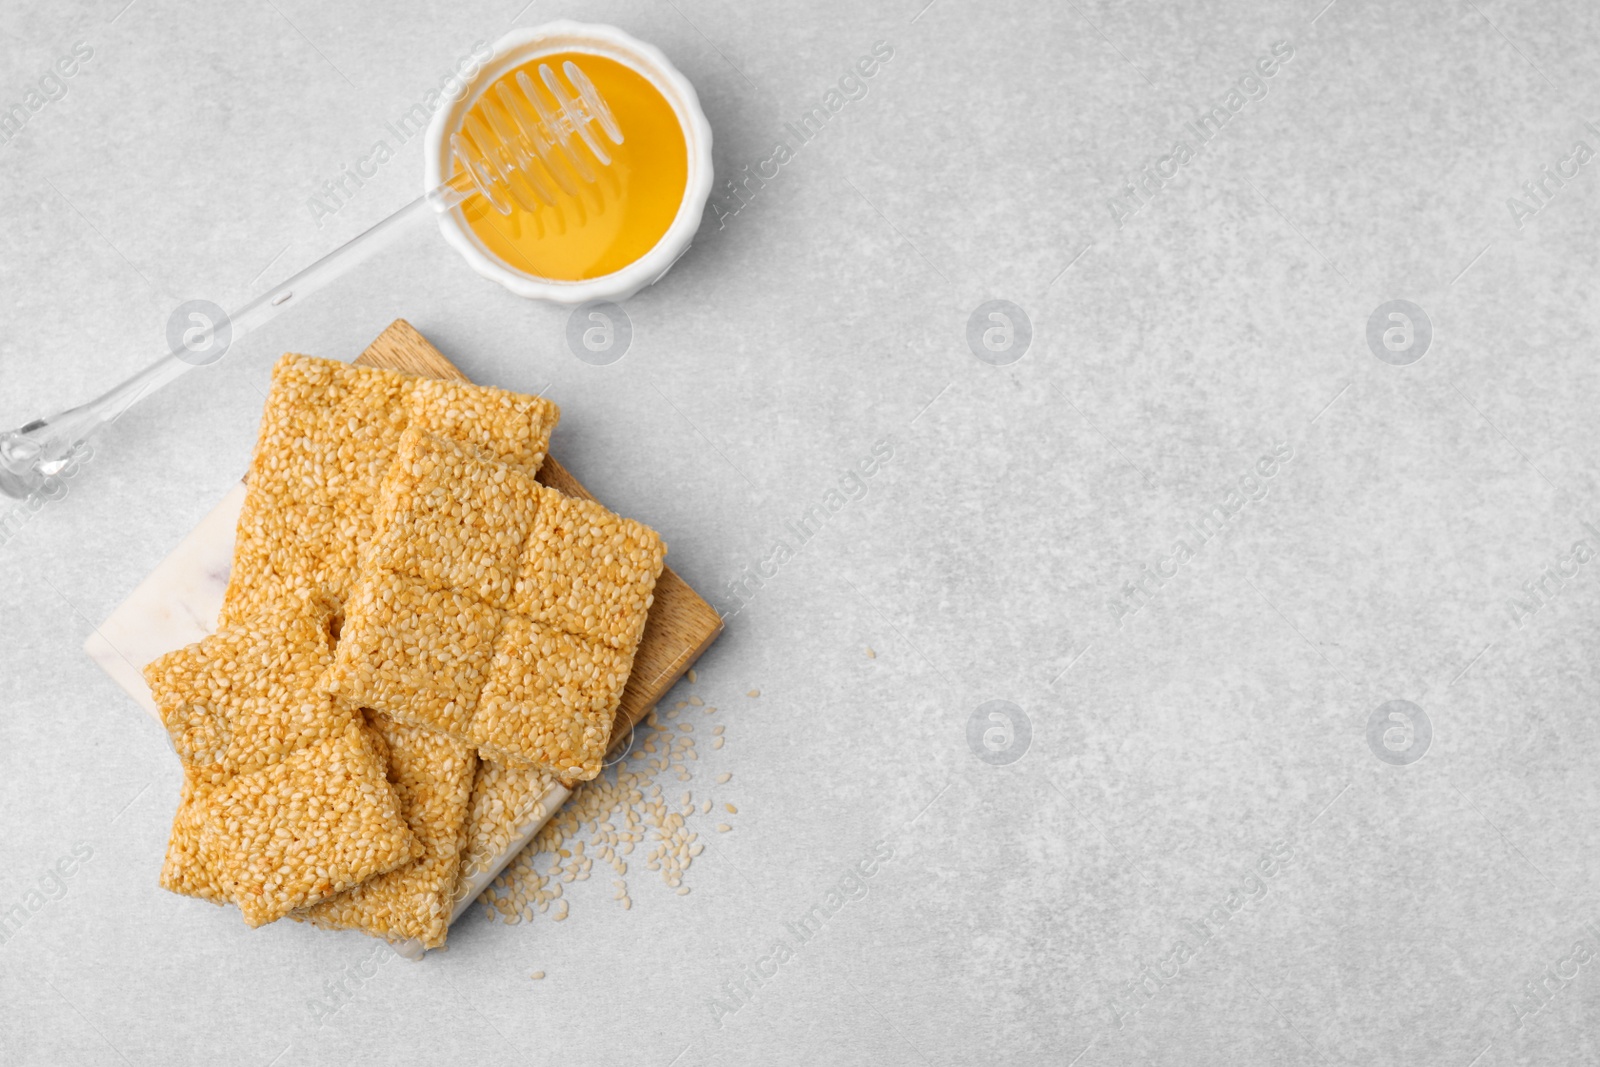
x=329 y=433
x=247 y=695
x=296 y=832
x=588 y=571
x=505 y=802
x=551 y=698
x=183 y=871
x=414 y=653
x=240 y=703
x=511 y=428
x=540 y=689
x=433 y=778
x=453 y=522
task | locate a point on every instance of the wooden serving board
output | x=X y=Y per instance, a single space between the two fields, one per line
x=178 y=602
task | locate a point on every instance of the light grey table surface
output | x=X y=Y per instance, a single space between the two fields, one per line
x=1191 y=851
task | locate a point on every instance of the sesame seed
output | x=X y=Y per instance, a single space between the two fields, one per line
x=609 y=816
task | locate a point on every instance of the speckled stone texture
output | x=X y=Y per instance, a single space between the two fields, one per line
x=1234 y=689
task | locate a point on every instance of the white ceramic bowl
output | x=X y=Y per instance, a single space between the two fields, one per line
x=519 y=47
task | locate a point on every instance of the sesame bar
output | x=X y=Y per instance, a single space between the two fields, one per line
x=550 y=699
x=329 y=431
x=263 y=750
x=218 y=730
x=505 y=802
x=247 y=695
x=433 y=777
x=495 y=609
x=183 y=871
x=295 y=832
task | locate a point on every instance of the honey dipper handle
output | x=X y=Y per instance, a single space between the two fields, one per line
x=504 y=157
x=35 y=457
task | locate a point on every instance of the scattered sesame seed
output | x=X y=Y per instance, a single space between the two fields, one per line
x=871 y=654
x=536 y=975
x=731 y=809
x=753 y=693
x=607 y=817
x=693 y=678
x=723 y=828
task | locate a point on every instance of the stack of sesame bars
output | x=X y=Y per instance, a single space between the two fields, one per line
x=417 y=640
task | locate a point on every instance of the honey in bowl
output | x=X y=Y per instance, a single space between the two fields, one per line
x=618 y=217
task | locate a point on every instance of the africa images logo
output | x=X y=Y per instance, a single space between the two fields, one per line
x=49 y=89
x=338 y=191
x=999 y=732
x=1538 y=193
x=1399 y=732
x=851 y=486
x=46 y=888
x=1203 y=525
x=1399 y=333
x=1136 y=994
x=736 y=193
x=1141 y=190
x=851 y=886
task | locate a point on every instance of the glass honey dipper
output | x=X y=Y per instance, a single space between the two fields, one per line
x=521 y=144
